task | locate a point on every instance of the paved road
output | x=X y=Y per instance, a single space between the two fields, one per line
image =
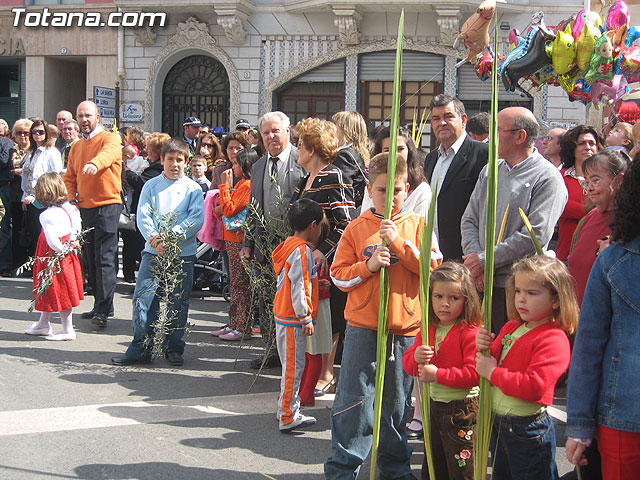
x=66 y=413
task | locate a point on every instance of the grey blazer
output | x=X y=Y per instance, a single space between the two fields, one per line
x=291 y=180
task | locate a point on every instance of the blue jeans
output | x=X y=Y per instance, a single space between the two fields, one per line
x=526 y=448
x=352 y=413
x=146 y=303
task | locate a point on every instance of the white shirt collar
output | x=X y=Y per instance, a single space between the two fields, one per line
x=284 y=154
x=455 y=147
x=95 y=132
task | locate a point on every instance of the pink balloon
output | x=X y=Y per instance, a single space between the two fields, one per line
x=618 y=15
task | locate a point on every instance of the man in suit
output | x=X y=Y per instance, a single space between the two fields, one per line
x=454 y=166
x=280 y=163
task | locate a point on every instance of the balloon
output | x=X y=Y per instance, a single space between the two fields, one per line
x=629 y=62
x=533 y=60
x=617 y=38
x=586 y=42
x=612 y=90
x=584 y=17
x=618 y=15
x=633 y=36
x=562 y=51
x=475 y=31
x=601 y=62
x=484 y=64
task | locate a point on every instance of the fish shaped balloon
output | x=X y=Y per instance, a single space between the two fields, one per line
x=475 y=31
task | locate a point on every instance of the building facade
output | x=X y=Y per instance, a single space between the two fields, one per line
x=235 y=59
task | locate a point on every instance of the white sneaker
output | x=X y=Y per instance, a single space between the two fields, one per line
x=43 y=332
x=301 y=421
x=62 y=336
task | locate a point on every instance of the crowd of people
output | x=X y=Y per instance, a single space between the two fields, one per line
x=574 y=309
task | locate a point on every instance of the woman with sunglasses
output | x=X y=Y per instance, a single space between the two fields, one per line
x=231 y=145
x=42 y=157
x=209 y=147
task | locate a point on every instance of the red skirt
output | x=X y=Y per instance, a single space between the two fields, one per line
x=67 y=289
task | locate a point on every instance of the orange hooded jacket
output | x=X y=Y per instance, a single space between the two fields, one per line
x=296 y=300
x=349 y=272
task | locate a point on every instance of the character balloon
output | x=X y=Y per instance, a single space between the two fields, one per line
x=475 y=31
x=618 y=15
x=601 y=62
x=562 y=51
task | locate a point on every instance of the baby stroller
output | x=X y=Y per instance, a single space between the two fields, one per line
x=209 y=272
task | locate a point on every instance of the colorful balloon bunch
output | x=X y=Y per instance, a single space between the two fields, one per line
x=590 y=59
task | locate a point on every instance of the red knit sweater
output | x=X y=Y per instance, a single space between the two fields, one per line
x=573 y=212
x=534 y=363
x=456 y=357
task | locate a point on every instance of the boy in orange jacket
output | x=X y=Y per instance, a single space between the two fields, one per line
x=295 y=306
x=355 y=269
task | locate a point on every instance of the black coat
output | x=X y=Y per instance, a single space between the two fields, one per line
x=455 y=192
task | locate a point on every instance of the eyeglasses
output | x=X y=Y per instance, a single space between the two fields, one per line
x=38 y=132
x=22 y=134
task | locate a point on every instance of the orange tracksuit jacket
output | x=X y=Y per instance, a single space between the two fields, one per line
x=349 y=272
x=296 y=300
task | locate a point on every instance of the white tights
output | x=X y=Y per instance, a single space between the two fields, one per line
x=65 y=317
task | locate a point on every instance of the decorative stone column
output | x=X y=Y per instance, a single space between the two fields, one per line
x=450 y=76
x=351 y=83
x=348 y=22
x=449 y=23
x=232 y=20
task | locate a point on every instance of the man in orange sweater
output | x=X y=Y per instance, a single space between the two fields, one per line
x=94 y=182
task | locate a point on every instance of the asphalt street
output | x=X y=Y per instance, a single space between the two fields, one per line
x=67 y=413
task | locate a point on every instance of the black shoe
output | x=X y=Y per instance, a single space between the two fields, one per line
x=126 y=360
x=99 y=319
x=174 y=358
x=270 y=362
x=92 y=313
x=129 y=279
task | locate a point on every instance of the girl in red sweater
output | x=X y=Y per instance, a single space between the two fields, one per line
x=529 y=355
x=448 y=362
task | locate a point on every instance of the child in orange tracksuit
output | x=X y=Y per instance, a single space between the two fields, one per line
x=295 y=305
x=355 y=268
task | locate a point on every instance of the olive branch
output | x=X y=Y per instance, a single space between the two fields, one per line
x=52 y=266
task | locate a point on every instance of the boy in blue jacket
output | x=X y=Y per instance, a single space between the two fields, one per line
x=172 y=192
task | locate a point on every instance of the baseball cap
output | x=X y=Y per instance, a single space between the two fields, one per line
x=192 y=122
x=242 y=123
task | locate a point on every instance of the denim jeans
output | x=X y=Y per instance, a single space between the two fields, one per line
x=352 y=413
x=526 y=448
x=146 y=303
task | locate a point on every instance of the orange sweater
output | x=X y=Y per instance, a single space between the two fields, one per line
x=233 y=203
x=105 y=153
x=350 y=273
x=296 y=300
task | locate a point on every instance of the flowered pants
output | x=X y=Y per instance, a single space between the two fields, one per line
x=239 y=311
x=453 y=426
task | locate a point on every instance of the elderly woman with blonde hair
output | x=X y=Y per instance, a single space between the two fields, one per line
x=327 y=185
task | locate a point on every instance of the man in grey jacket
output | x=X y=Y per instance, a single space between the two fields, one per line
x=525 y=180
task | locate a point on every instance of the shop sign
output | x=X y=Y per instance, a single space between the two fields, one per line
x=131 y=112
x=11 y=46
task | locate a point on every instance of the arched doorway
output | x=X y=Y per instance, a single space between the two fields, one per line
x=196 y=86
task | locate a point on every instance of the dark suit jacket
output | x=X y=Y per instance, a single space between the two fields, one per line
x=455 y=191
x=291 y=180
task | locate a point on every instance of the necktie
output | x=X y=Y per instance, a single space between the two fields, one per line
x=274 y=166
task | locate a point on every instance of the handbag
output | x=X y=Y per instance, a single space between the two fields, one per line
x=127 y=219
x=235 y=223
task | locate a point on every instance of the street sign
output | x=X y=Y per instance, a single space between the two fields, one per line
x=105 y=99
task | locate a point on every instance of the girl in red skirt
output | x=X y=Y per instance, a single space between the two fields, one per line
x=60 y=227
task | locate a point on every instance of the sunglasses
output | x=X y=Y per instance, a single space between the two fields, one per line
x=210 y=145
x=38 y=132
